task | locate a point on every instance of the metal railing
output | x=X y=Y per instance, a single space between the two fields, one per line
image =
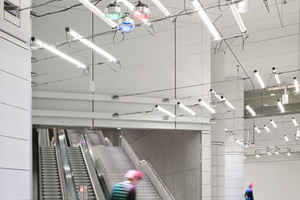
x=147 y=168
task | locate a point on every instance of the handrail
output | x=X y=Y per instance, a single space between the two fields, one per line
x=90 y=166
x=99 y=167
x=70 y=186
x=147 y=168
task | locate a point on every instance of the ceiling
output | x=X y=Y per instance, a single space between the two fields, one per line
x=273 y=42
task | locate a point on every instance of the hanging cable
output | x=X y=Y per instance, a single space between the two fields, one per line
x=121 y=39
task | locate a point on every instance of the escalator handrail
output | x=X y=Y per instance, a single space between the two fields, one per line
x=70 y=184
x=98 y=165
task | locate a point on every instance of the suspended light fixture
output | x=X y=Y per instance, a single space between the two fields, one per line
x=237 y=17
x=244 y=6
x=113 y=11
x=126 y=24
x=165 y=111
x=213 y=93
x=296 y=85
x=280 y=106
x=91 y=45
x=57 y=52
x=186 y=109
x=262 y=85
x=298 y=134
x=266 y=128
x=276 y=76
x=238 y=142
x=250 y=110
x=294 y=121
x=273 y=123
x=227 y=103
x=245 y=156
x=98 y=12
x=286 y=138
x=199 y=8
x=256 y=129
x=288 y=152
x=162 y=8
x=268 y=151
x=277 y=151
x=141 y=11
x=202 y=103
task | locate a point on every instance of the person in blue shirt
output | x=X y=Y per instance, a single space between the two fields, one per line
x=249 y=192
x=126 y=189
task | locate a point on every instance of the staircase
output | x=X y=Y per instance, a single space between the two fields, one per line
x=117 y=163
x=79 y=171
x=50 y=185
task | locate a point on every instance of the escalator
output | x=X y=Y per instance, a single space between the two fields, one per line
x=79 y=171
x=50 y=182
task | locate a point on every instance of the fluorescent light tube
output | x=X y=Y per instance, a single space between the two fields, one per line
x=273 y=123
x=269 y=152
x=237 y=17
x=280 y=106
x=244 y=6
x=256 y=129
x=258 y=156
x=228 y=103
x=209 y=24
x=186 y=109
x=162 y=8
x=99 y=13
x=288 y=152
x=57 y=52
x=165 y=111
x=266 y=128
x=202 y=103
x=127 y=4
x=286 y=138
x=276 y=76
x=245 y=156
x=294 y=121
x=259 y=79
x=296 y=85
x=91 y=45
x=250 y=110
x=277 y=152
x=213 y=93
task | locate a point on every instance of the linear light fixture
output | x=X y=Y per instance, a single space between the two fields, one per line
x=277 y=151
x=250 y=110
x=199 y=8
x=227 y=103
x=162 y=8
x=256 y=129
x=280 y=106
x=268 y=151
x=288 y=152
x=237 y=17
x=91 y=45
x=245 y=156
x=262 y=85
x=202 y=103
x=186 y=109
x=273 y=123
x=165 y=111
x=296 y=85
x=238 y=142
x=267 y=128
x=286 y=138
x=99 y=13
x=57 y=52
x=127 y=4
x=213 y=93
x=257 y=155
x=276 y=76
x=294 y=121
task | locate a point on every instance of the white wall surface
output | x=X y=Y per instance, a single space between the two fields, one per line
x=274 y=180
x=15 y=107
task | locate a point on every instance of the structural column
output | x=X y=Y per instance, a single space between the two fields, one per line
x=234 y=161
x=217 y=130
